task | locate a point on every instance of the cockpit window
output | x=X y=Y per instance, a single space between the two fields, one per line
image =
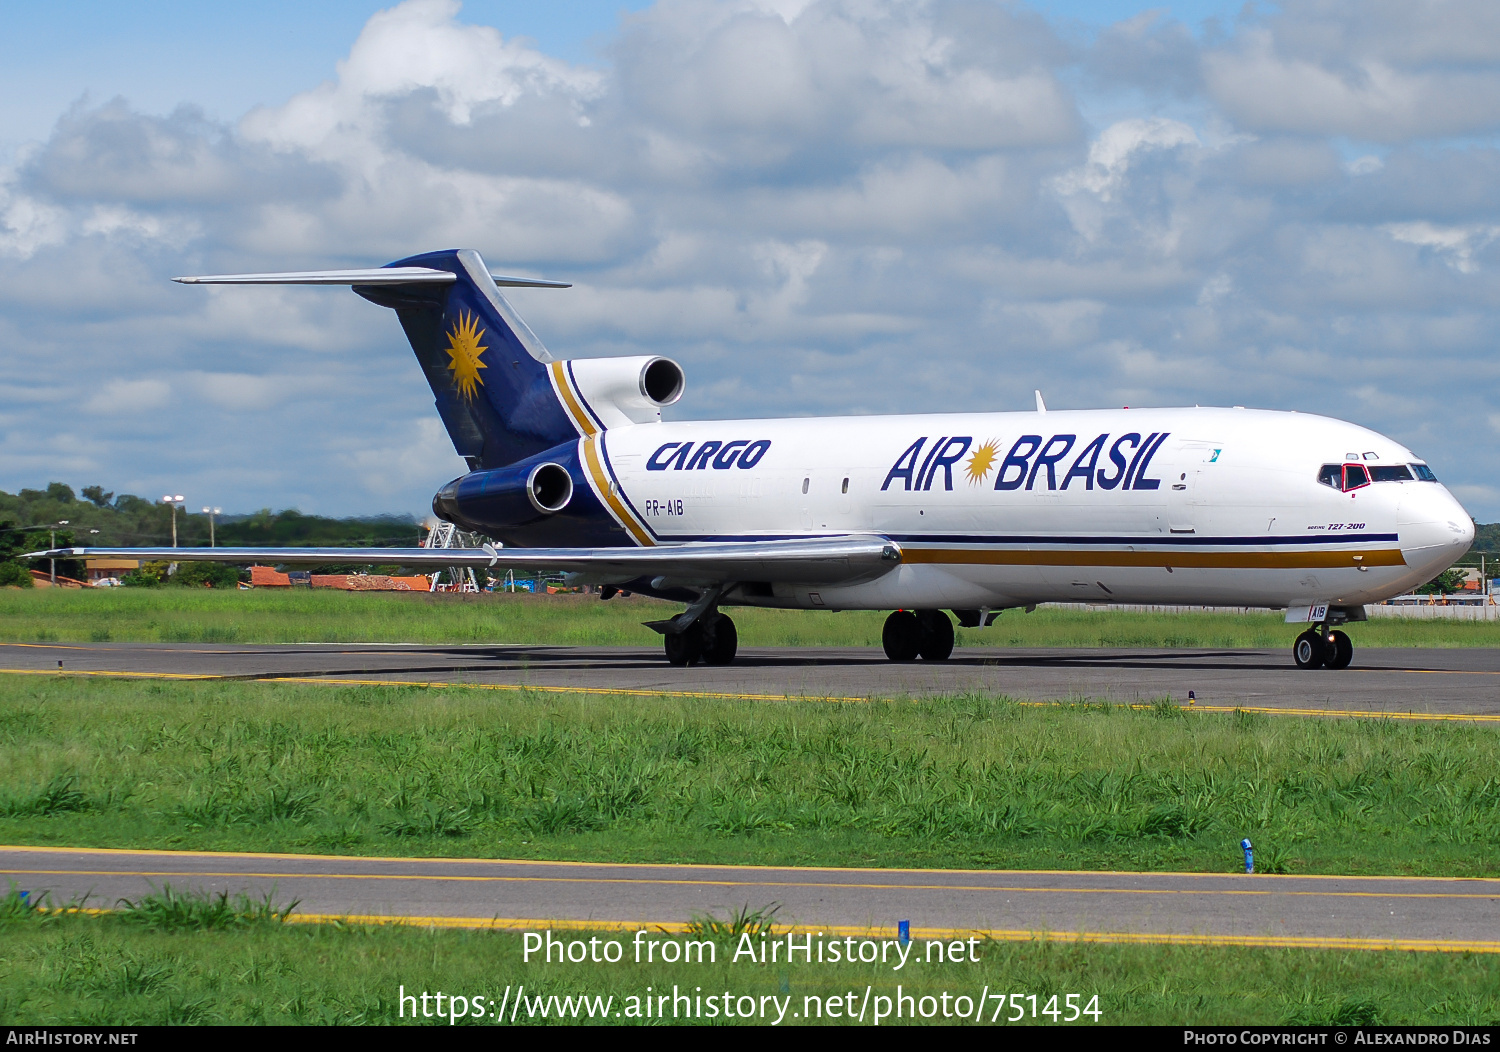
x=1352 y=476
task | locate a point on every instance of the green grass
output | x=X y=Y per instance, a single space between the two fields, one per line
x=181 y=615
x=959 y=781
x=82 y=970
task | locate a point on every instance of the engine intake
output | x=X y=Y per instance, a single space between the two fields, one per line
x=621 y=391
x=550 y=487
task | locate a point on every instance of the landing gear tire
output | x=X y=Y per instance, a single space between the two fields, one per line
x=902 y=636
x=937 y=635
x=720 y=641
x=1310 y=650
x=1338 y=651
x=684 y=648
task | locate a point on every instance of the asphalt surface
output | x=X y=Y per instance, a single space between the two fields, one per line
x=1430 y=682
x=1353 y=912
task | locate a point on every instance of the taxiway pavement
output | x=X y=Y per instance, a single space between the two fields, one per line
x=1313 y=911
x=1434 y=682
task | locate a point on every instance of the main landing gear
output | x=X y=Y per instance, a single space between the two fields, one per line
x=909 y=634
x=1322 y=647
x=712 y=640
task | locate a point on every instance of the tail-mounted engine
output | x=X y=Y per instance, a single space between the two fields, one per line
x=616 y=392
x=522 y=494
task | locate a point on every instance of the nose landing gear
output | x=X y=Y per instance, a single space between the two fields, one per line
x=1321 y=647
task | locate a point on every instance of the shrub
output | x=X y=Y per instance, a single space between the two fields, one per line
x=206 y=575
x=149 y=575
x=14 y=575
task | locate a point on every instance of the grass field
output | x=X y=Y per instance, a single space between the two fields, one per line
x=149 y=966
x=947 y=782
x=263 y=616
x=960 y=781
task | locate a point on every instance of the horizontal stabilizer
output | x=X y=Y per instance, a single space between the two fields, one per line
x=821 y=560
x=371 y=276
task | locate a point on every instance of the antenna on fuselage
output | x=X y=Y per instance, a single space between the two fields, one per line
x=1041 y=406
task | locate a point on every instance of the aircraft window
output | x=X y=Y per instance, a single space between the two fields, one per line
x=1355 y=477
x=804 y=484
x=1424 y=472
x=846 y=485
x=1331 y=475
x=1395 y=473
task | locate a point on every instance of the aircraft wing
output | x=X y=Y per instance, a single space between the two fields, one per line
x=818 y=560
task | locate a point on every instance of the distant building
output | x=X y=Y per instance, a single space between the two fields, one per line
x=107 y=572
x=268 y=577
x=42 y=579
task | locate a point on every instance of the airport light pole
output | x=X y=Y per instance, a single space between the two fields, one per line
x=175 y=503
x=211 y=512
x=52 y=543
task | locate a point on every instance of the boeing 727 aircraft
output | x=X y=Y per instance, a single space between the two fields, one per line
x=572 y=468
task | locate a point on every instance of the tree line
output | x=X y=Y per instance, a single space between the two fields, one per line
x=95 y=517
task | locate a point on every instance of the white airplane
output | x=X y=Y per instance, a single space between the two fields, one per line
x=572 y=468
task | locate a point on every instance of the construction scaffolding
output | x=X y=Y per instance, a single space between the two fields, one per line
x=461 y=578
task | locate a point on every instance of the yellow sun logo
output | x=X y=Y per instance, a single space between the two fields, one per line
x=464 y=351
x=982 y=462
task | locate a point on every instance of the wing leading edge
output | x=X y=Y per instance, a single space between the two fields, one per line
x=367 y=277
x=822 y=560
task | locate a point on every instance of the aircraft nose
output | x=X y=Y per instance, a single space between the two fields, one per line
x=1435 y=530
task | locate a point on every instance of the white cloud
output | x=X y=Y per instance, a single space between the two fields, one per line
x=130 y=397
x=1089 y=191
x=1385 y=70
x=27 y=224
x=412 y=46
x=1456 y=244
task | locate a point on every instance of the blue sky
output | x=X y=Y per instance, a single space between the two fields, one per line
x=818 y=206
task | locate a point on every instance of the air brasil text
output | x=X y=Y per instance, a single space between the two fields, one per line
x=1032 y=462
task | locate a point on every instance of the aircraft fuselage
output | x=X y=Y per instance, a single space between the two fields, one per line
x=1191 y=506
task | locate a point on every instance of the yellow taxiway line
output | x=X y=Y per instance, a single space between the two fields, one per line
x=1311 y=942
x=1117 y=938
x=685 y=882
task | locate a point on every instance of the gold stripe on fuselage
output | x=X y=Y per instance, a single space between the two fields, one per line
x=572 y=403
x=594 y=465
x=1321 y=560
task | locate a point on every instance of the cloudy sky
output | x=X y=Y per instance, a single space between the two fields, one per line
x=817 y=207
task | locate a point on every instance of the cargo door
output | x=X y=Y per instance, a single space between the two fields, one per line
x=1188 y=490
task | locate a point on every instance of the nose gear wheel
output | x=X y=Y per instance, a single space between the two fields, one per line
x=1321 y=648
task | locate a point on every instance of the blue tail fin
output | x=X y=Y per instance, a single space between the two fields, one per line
x=487 y=370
